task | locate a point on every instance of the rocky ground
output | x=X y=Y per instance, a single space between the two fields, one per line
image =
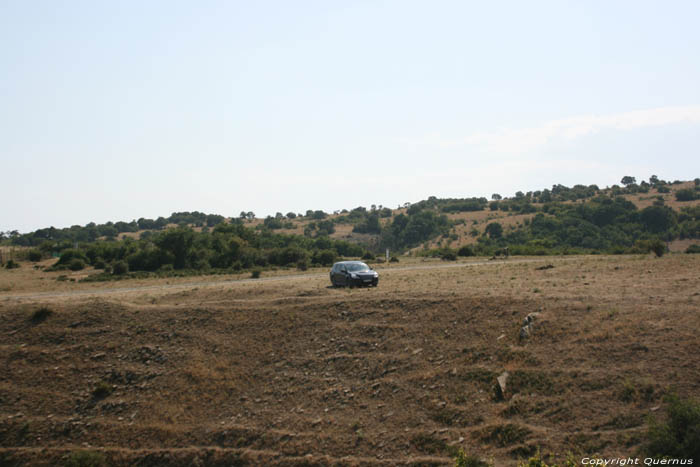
x=293 y=372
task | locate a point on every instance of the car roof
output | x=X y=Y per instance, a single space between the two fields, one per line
x=350 y=262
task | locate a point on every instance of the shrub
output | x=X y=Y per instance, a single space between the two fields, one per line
x=679 y=436
x=120 y=267
x=303 y=264
x=368 y=255
x=393 y=259
x=11 y=264
x=99 y=263
x=255 y=273
x=324 y=257
x=693 y=249
x=658 y=247
x=466 y=250
x=663 y=189
x=34 y=255
x=86 y=459
x=686 y=195
x=69 y=255
x=41 y=315
x=448 y=254
x=76 y=264
x=462 y=460
x=102 y=390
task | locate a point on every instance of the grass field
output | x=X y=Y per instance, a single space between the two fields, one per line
x=292 y=372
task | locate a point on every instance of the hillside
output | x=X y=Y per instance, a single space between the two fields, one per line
x=577 y=220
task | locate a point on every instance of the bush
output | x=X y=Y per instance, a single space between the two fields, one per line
x=99 y=263
x=368 y=255
x=76 y=264
x=40 y=315
x=324 y=257
x=663 y=189
x=11 y=264
x=658 y=247
x=67 y=256
x=120 y=267
x=34 y=255
x=466 y=250
x=86 y=459
x=462 y=460
x=693 y=249
x=303 y=264
x=102 y=390
x=679 y=436
x=393 y=259
x=686 y=195
x=448 y=254
x=255 y=273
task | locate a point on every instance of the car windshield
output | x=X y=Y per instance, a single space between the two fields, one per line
x=357 y=267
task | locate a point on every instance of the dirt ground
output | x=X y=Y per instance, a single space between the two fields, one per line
x=293 y=372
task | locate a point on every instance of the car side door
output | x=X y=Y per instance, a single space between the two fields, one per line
x=343 y=274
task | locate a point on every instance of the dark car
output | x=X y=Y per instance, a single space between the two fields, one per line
x=353 y=273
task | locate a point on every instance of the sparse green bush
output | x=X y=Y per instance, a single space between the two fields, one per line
x=368 y=255
x=658 y=247
x=303 y=264
x=393 y=259
x=324 y=257
x=505 y=435
x=255 y=273
x=679 y=436
x=120 y=267
x=693 y=249
x=76 y=264
x=67 y=256
x=102 y=390
x=86 y=459
x=463 y=460
x=99 y=263
x=448 y=254
x=686 y=194
x=34 y=255
x=466 y=250
x=11 y=264
x=41 y=315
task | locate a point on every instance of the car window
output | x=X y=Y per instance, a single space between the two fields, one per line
x=357 y=267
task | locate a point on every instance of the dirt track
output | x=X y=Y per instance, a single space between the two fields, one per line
x=290 y=371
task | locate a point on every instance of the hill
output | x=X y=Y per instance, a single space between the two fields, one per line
x=561 y=220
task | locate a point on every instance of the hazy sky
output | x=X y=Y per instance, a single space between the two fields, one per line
x=115 y=110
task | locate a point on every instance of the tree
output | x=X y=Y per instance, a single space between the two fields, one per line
x=653 y=180
x=494 y=230
x=658 y=219
x=178 y=242
x=628 y=180
x=496 y=197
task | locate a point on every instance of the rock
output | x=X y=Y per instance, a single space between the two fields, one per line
x=99 y=356
x=501 y=386
x=524 y=332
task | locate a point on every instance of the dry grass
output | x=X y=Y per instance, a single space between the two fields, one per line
x=293 y=371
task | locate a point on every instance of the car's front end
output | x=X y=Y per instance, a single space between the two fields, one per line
x=364 y=278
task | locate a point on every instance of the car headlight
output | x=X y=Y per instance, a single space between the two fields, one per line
x=353 y=275
x=376 y=274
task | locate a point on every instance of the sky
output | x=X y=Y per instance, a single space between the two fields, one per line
x=120 y=110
